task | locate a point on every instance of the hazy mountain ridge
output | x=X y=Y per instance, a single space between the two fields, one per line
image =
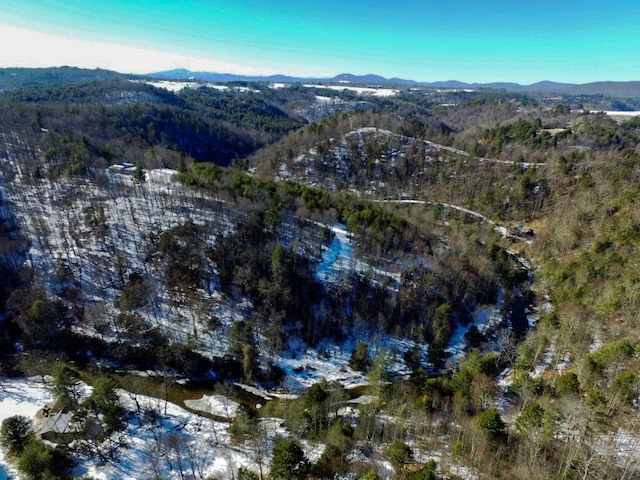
x=631 y=88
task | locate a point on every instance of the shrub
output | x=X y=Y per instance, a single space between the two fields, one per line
x=428 y=472
x=40 y=461
x=611 y=353
x=289 y=461
x=568 y=383
x=16 y=432
x=492 y=425
x=371 y=475
x=399 y=454
x=66 y=384
x=136 y=293
x=530 y=418
x=360 y=359
x=244 y=424
x=246 y=474
x=626 y=387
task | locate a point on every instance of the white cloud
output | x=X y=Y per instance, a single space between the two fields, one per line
x=28 y=48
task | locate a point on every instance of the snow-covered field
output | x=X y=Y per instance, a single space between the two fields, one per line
x=618 y=113
x=179 y=85
x=173 y=86
x=372 y=91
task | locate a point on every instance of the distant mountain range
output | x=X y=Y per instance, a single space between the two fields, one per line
x=618 y=89
x=12 y=78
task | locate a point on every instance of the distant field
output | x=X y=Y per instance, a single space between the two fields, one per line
x=553 y=131
x=620 y=115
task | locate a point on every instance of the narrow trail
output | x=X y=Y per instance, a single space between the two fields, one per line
x=504 y=231
x=463 y=153
x=439 y=146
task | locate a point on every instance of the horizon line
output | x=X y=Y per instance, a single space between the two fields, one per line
x=304 y=77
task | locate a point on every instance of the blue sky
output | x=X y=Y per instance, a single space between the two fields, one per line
x=475 y=41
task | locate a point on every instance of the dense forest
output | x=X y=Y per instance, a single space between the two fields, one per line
x=483 y=279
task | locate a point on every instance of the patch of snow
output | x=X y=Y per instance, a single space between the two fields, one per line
x=502 y=231
x=254 y=391
x=621 y=113
x=283 y=172
x=154 y=446
x=217 y=405
x=546 y=361
x=305 y=368
x=505 y=379
x=179 y=85
x=172 y=86
x=220 y=88
x=161 y=175
x=337 y=258
x=486 y=319
x=322 y=99
x=362 y=400
x=564 y=363
x=622 y=445
x=371 y=130
x=596 y=342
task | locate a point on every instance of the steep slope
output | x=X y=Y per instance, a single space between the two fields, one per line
x=146 y=262
x=569 y=175
x=100 y=123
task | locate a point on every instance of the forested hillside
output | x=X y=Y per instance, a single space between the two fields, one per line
x=14 y=78
x=443 y=283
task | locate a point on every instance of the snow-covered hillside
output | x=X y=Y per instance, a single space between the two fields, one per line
x=89 y=235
